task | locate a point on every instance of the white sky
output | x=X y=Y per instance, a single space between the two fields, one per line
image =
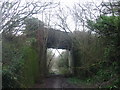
x=56 y=52
x=63 y=4
x=68 y=3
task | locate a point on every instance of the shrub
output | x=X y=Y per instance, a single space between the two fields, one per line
x=23 y=69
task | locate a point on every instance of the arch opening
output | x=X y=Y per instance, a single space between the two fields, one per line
x=59 y=61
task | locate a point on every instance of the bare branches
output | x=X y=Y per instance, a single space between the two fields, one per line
x=14 y=13
x=63 y=17
x=50 y=61
x=111 y=7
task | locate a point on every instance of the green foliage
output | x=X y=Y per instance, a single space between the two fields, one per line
x=32 y=25
x=22 y=70
x=9 y=79
x=96 y=56
x=87 y=52
x=81 y=83
x=108 y=28
x=10 y=47
x=50 y=60
x=12 y=73
x=74 y=80
x=63 y=63
x=30 y=71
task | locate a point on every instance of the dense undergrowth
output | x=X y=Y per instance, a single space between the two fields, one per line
x=96 y=56
x=95 y=52
x=20 y=63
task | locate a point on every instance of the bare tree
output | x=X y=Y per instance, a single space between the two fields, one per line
x=111 y=7
x=14 y=13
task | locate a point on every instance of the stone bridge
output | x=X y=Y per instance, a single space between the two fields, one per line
x=51 y=38
x=58 y=39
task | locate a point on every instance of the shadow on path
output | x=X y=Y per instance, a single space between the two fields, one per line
x=55 y=81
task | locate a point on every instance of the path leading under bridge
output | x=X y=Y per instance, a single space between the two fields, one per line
x=55 y=81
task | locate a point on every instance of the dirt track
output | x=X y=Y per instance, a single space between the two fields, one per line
x=55 y=82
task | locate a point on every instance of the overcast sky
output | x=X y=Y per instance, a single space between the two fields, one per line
x=68 y=3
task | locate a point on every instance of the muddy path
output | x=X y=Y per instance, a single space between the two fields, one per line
x=55 y=81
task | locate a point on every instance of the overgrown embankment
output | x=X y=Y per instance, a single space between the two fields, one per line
x=96 y=55
x=20 y=62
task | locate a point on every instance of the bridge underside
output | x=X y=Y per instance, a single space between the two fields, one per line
x=58 y=39
x=51 y=38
